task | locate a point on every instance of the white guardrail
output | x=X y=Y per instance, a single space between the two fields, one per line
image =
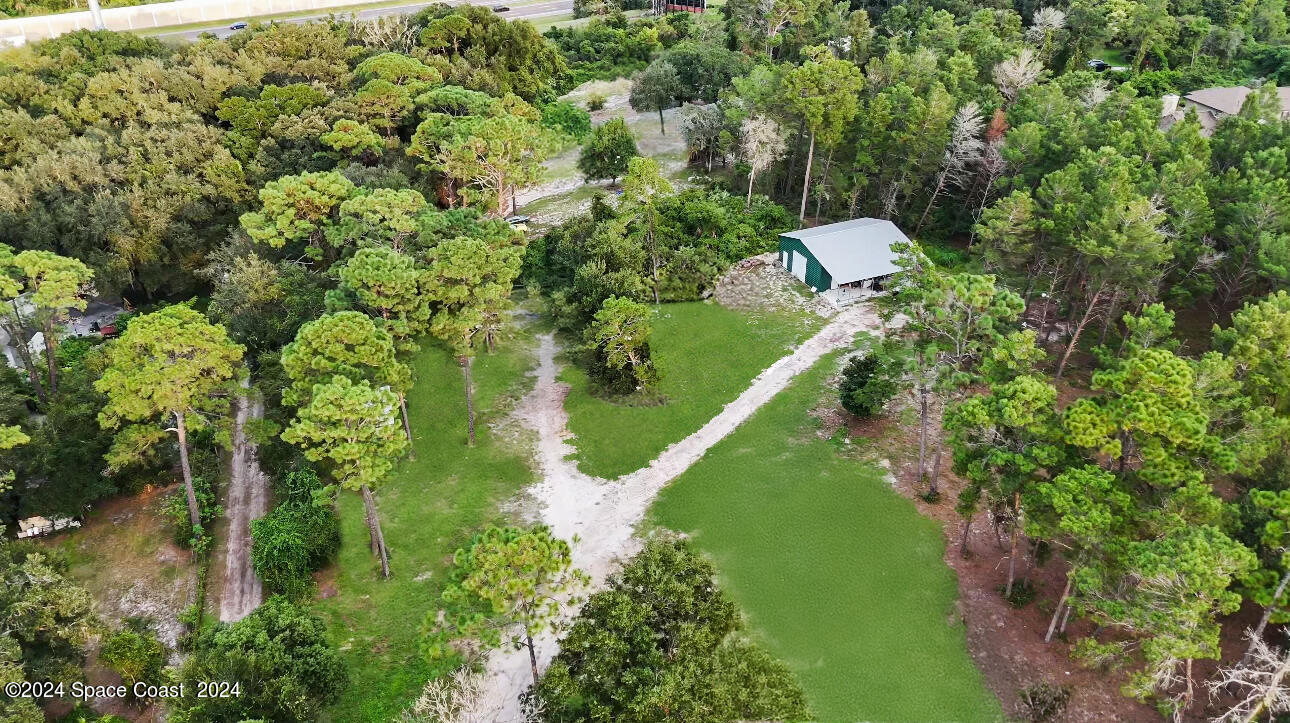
x=19 y=31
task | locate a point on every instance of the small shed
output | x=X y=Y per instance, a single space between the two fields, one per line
x=842 y=259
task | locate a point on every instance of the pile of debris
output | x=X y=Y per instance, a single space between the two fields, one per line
x=760 y=283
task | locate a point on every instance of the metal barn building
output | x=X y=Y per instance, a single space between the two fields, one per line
x=842 y=261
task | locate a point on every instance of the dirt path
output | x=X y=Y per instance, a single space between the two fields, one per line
x=603 y=514
x=248 y=492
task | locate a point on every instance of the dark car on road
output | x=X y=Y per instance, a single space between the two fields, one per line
x=1098 y=65
x=501 y=9
x=240 y=25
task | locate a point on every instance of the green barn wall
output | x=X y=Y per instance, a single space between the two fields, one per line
x=816 y=276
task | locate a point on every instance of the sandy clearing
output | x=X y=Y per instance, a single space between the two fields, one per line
x=601 y=515
x=248 y=493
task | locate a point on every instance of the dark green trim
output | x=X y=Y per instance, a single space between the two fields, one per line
x=816 y=277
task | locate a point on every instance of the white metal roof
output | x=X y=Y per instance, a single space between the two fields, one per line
x=853 y=250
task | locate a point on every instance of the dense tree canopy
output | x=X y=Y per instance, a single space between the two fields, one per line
x=662 y=641
x=332 y=195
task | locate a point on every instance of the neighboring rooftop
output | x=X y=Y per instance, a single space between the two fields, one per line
x=1212 y=105
x=853 y=250
x=1230 y=100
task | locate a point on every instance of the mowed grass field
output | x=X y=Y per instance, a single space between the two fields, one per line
x=837 y=573
x=429 y=507
x=707 y=355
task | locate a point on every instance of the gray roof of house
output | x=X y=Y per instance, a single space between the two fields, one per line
x=1229 y=100
x=853 y=250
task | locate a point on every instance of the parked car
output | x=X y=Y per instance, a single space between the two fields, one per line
x=1098 y=65
x=501 y=9
x=517 y=220
x=239 y=25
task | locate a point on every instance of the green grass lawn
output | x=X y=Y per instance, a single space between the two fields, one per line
x=837 y=573
x=429 y=508
x=707 y=355
x=1115 y=56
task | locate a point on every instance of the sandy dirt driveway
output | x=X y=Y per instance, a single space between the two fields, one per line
x=603 y=514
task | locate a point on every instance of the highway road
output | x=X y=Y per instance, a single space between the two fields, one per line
x=527 y=12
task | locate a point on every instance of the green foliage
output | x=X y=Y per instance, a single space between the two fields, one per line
x=400 y=70
x=471 y=46
x=1023 y=593
x=604 y=48
x=494 y=154
x=47 y=619
x=352 y=139
x=696 y=235
x=618 y=340
x=660 y=643
x=379 y=217
x=869 y=381
x=95 y=50
x=1259 y=340
x=170 y=364
x=656 y=88
x=508 y=586
x=704 y=69
x=1152 y=409
x=470 y=281
x=263 y=304
x=301 y=484
x=608 y=151
x=59 y=472
x=351 y=426
x=251 y=120
x=176 y=511
x=346 y=343
x=388 y=285
x=294 y=540
x=297 y=209
x=280 y=657
x=567 y=119
x=824 y=92
x=135 y=655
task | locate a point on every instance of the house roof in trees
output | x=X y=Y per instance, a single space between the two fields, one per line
x=853 y=250
x=1229 y=100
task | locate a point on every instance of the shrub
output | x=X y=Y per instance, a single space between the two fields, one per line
x=868 y=383
x=176 y=510
x=83 y=713
x=618 y=339
x=136 y=655
x=664 y=631
x=298 y=485
x=596 y=101
x=1023 y=592
x=1043 y=701
x=608 y=150
x=292 y=541
x=950 y=258
x=567 y=118
x=280 y=658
